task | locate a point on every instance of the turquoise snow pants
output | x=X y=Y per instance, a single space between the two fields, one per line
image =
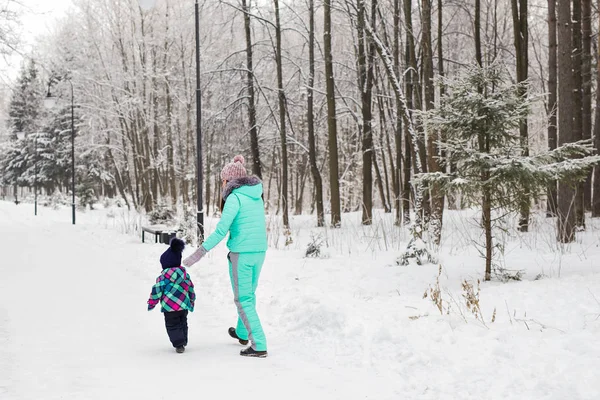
x=244 y=271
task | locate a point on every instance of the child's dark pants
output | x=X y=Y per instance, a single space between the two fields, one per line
x=177 y=328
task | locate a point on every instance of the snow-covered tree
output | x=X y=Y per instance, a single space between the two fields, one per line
x=12 y=162
x=480 y=116
x=54 y=148
x=26 y=101
x=10 y=15
x=25 y=110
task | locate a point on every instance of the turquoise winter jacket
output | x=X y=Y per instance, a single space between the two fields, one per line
x=243 y=217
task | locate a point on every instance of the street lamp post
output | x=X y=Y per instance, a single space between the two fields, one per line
x=147 y=5
x=200 y=214
x=49 y=102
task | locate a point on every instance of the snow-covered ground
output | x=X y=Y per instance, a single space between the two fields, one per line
x=351 y=325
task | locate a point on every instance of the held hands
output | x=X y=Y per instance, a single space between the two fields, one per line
x=195 y=257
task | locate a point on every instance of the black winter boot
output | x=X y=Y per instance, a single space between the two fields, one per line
x=235 y=336
x=180 y=349
x=250 y=352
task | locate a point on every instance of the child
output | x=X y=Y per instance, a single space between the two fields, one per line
x=175 y=291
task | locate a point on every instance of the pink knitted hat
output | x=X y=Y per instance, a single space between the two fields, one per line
x=234 y=169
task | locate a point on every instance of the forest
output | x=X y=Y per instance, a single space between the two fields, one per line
x=413 y=107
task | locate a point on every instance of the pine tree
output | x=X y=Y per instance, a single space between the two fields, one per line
x=12 y=162
x=54 y=149
x=25 y=104
x=24 y=113
x=482 y=138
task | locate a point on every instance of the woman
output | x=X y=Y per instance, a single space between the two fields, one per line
x=243 y=216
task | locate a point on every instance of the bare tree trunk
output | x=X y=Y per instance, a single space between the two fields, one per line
x=148 y=171
x=440 y=43
x=417 y=101
x=386 y=110
x=366 y=59
x=155 y=107
x=118 y=178
x=187 y=137
x=552 y=100
x=452 y=195
x=596 y=181
x=384 y=133
x=412 y=102
x=388 y=197
x=477 y=35
x=302 y=165
x=487 y=227
x=172 y=181
x=282 y=115
x=277 y=173
x=401 y=106
x=521 y=34
x=566 y=86
x=379 y=182
x=336 y=217
x=433 y=136
x=217 y=206
x=586 y=74
x=396 y=174
x=127 y=183
x=272 y=172
x=576 y=129
x=256 y=167
x=207 y=188
x=486 y=206
x=406 y=184
x=318 y=182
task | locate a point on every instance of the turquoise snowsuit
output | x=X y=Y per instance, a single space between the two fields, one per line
x=244 y=218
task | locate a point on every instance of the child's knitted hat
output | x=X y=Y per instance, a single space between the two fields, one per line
x=234 y=169
x=171 y=258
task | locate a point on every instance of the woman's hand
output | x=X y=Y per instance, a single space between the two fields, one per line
x=195 y=257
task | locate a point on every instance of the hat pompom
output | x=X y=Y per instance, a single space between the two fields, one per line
x=177 y=245
x=234 y=170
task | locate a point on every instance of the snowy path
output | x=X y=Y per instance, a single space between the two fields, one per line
x=74 y=325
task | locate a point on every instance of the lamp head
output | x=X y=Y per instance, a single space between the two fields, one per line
x=49 y=101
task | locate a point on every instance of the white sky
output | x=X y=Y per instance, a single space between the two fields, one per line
x=37 y=18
